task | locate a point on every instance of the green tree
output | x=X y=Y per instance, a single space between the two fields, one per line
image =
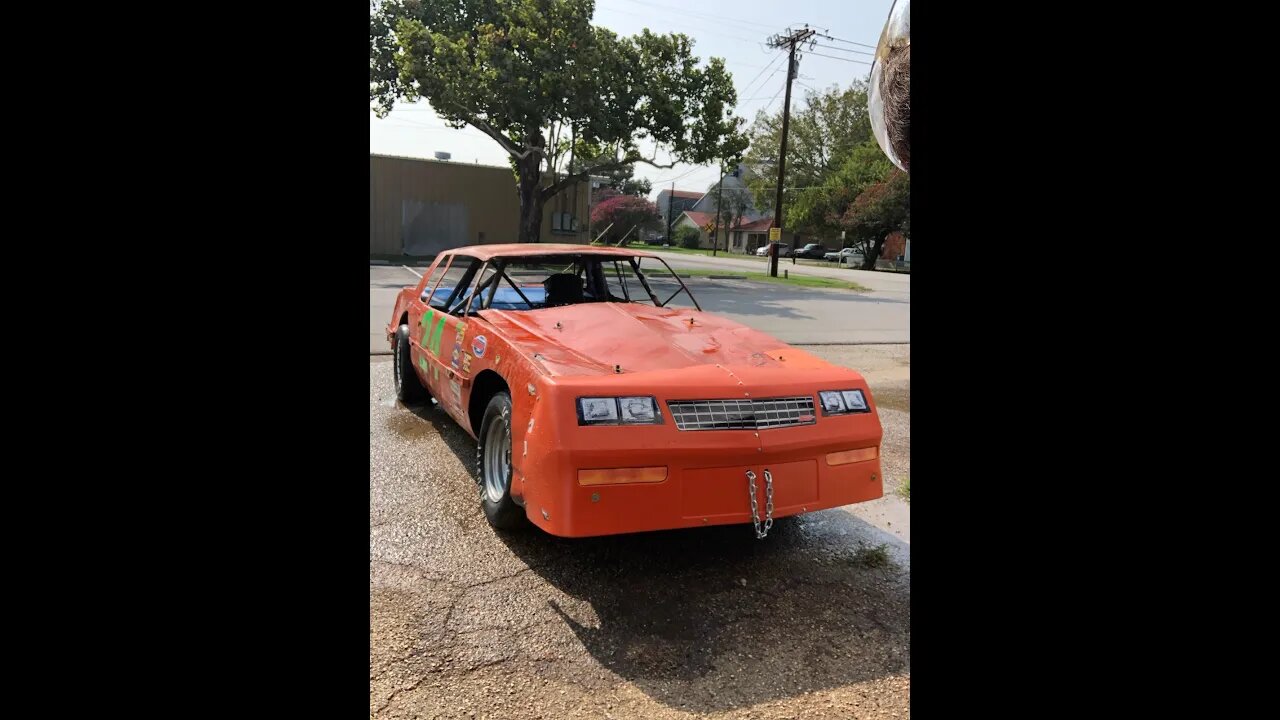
x=818 y=210
x=550 y=88
x=823 y=134
x=880 y=209
x=621 y=178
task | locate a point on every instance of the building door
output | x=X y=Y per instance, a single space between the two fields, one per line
x=430 y=228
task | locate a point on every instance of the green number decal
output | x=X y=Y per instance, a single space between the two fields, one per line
x=435 y=336
x=425 y=322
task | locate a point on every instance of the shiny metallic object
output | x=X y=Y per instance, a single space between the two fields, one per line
x=896 y=34
x=755 y=507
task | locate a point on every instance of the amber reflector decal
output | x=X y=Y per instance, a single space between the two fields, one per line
x=852 y=456
x=619 y=476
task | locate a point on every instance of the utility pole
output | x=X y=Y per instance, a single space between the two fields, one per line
x=715 y=235
x=669 y=199
x=779 y=41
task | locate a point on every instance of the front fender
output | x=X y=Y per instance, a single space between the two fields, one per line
x=403 y=300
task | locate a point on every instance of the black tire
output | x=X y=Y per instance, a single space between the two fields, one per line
x=409 y=390
x=502 y=513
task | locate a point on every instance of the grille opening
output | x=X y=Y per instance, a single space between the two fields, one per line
x=742 y=414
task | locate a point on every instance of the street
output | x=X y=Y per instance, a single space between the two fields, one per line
x=791 y=314
x=883 y=284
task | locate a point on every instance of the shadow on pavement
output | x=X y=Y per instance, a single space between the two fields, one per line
x=710 y=619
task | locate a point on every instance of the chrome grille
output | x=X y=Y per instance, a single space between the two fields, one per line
x=742 y=414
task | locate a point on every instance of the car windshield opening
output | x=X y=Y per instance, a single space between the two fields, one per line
x=537 y=282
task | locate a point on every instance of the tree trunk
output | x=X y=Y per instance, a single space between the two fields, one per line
x=869 y=262
x=530 y=186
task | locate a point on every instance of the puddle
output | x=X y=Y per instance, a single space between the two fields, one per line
x=410 y=426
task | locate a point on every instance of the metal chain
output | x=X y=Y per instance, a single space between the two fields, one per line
x=755 y=507
x=768 y=505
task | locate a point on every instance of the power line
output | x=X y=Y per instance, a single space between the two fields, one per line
x=873 y=47
x=833 y=47
x=677 y=177
x=765 y=109
x=766 y=82
x=757 y=77
x=415 y=125
x=833 y=57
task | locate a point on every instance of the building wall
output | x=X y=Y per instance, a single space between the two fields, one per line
x=733 y=183
x=422 y=207
x=895 y=246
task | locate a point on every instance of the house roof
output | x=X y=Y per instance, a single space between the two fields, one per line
x=755 y=225
x=700 y=218
x=685 y=194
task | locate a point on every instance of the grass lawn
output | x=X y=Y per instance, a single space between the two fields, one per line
x=795 y=281
x=674 y=249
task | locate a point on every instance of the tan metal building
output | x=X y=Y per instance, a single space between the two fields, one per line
x=421 y=207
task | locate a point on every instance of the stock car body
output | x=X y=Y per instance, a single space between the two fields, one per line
x=600 y=408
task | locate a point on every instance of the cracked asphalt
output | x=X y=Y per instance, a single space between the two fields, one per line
x=466 y=622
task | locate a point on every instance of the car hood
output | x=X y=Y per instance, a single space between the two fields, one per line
x=593 y=338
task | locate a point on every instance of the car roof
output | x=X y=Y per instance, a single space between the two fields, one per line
x=488 y=252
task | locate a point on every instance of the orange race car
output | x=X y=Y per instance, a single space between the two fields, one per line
x=603 y=400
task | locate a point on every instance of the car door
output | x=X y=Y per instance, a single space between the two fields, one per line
x=452 y=345
x=425 y=323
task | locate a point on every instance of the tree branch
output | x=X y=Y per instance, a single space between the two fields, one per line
x=555 y=188
x=506 y=143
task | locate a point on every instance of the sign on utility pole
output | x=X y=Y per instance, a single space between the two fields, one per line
x=780 y=41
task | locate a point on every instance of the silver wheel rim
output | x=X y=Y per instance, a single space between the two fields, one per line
x=497 y=459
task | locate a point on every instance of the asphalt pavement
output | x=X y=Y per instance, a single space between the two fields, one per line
x=888 y=284
x=796 y=315
x=467 y=622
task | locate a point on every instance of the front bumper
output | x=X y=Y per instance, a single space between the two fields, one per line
x=706 y=480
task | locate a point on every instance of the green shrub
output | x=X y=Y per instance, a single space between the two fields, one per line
x=689 y=237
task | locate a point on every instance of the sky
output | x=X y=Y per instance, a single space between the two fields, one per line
x=736 y=30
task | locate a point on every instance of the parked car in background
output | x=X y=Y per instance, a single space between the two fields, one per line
x=848 y=254
x=783 y=249
x=812 y=250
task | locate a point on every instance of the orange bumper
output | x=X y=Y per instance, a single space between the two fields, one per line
x=560 y=474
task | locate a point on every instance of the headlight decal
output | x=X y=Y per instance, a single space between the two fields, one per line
x=843 y=402
x=624 y=410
